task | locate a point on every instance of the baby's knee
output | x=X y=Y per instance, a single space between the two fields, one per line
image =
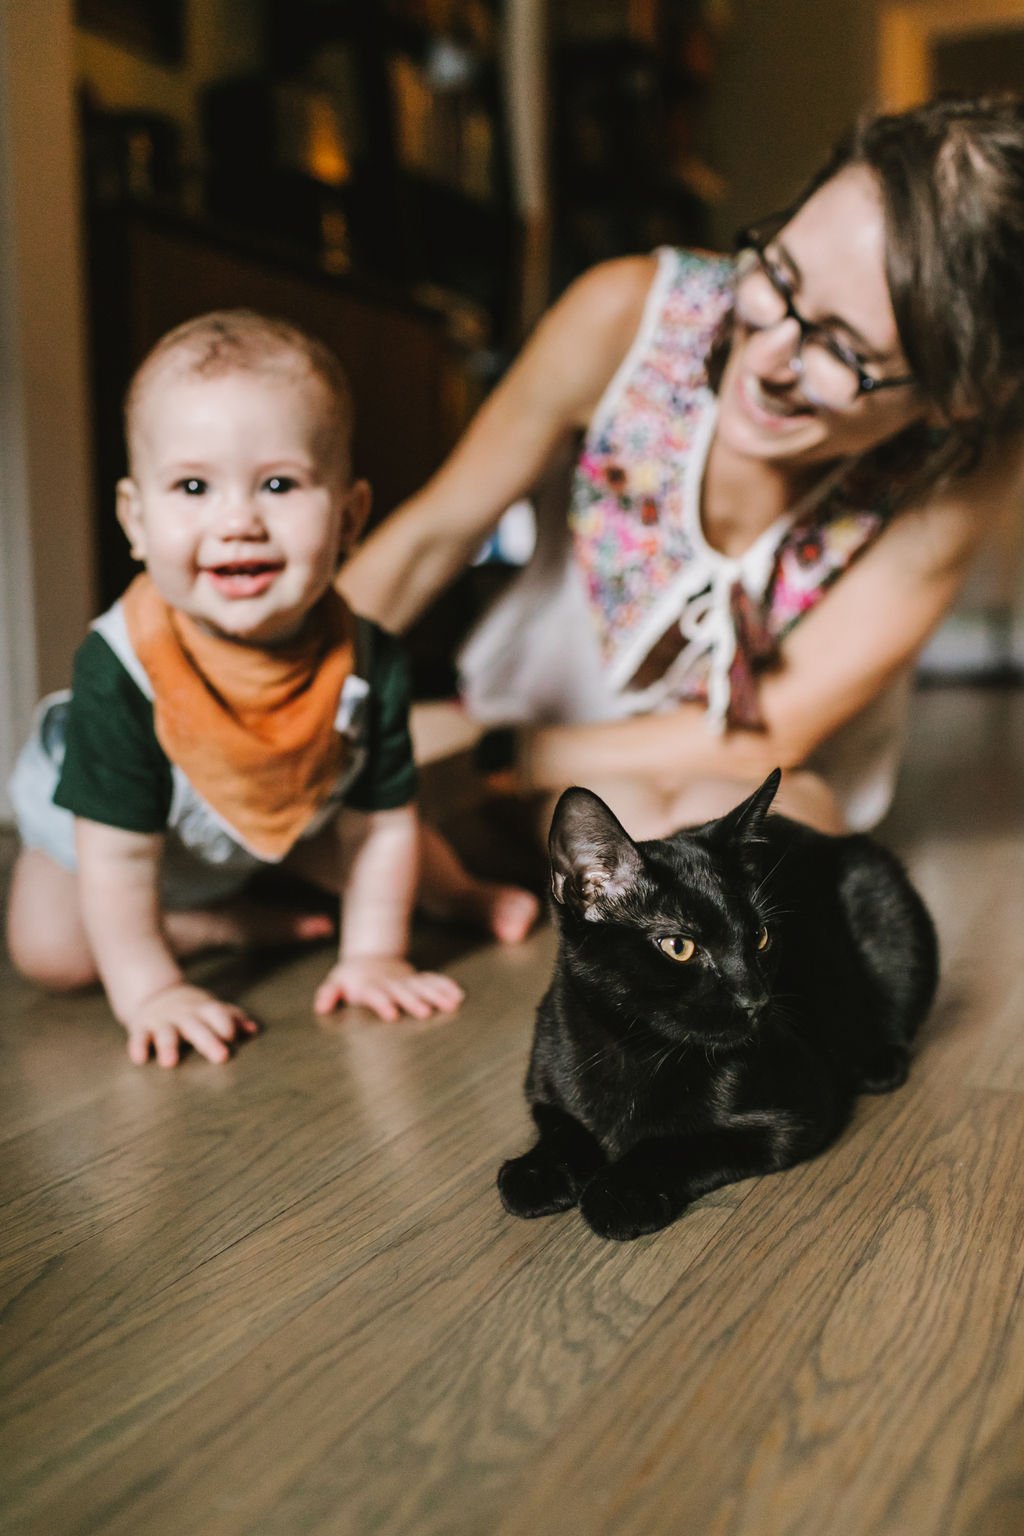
x=40 y=958
x=45 y=937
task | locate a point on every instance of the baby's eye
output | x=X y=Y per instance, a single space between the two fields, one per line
x=764 y=938
x=279 y=484
x=193 y=486
x=678 y=947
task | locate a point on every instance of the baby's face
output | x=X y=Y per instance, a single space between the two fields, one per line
x=237 y=504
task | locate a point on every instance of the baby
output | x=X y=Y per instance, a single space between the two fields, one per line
x=230 y=713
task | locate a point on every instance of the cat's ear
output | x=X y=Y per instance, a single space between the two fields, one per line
x=594 y=861
x=745 y=823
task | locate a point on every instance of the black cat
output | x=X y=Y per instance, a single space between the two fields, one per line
x=719 y=1000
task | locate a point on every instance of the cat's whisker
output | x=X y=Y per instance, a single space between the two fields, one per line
x=665 y=1056
x=768 y=876
x=681 y=1049
x=601 y=1055
x=610 y=1048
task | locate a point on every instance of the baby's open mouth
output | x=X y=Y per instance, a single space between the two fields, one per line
x=243 y=578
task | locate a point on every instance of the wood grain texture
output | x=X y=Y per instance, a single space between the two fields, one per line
x=282 y=1296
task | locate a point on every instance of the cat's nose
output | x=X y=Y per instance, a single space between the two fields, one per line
x=753 y=1003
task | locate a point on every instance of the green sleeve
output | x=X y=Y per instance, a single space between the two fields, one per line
x=387 y=779
x=114 y=770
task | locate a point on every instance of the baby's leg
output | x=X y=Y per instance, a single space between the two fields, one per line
x=446 y=888
x=46 y=938
x=240 y=923
x=48 y=944
x=448 y=891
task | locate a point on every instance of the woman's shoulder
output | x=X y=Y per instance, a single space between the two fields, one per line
x=611 y=295
x=615 y=292
x=598 y=318
x=583 y=338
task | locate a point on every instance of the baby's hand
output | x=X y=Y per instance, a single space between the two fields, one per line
x=389 y=986
x=183 y=1012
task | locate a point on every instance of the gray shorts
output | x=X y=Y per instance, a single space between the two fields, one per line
x=186 y=879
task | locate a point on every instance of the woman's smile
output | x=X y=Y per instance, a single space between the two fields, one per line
x=769 y=409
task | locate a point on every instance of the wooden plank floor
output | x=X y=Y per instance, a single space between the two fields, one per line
x=281 y=1297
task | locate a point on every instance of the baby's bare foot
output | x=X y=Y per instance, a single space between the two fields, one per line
x=512 y=912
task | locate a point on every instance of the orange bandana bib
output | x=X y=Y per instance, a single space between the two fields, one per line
x=253 y=730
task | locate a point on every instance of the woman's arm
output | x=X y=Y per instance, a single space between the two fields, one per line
x=551 y=390
x=860 y=636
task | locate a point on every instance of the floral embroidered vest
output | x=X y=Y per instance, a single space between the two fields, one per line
x=676 y=619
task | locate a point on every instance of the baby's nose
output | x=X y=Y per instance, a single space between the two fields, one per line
x=240 y=518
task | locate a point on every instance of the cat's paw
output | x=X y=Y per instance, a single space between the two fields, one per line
x=617 y=1205
x=530 y=1186
x=885 y=1070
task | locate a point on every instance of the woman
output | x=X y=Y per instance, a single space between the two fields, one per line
x=787 y=463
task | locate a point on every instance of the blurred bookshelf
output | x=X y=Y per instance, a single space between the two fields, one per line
x=350 y=164
x=630 y=83
x=348 y=169
x=376 y=133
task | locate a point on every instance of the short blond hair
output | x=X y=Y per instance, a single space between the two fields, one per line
x=241 y=340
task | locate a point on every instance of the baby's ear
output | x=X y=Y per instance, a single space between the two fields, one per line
x=130 y=517
x=594 y=861
x=356 y=509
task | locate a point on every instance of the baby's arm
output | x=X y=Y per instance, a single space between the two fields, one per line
x=379 y=850
x=118 y=875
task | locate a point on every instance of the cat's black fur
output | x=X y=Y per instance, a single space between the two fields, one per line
x=653 y=1081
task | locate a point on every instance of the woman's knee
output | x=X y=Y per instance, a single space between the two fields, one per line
x=806 y=797
x=802 y=795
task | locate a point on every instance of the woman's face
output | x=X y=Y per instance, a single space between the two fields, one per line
x=831 y=256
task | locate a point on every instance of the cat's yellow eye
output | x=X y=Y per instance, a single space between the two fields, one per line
x=763 y=938
x=677 y=947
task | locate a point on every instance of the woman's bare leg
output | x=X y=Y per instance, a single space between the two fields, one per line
x=802 y=795
x=646 y=813
x=48 y=944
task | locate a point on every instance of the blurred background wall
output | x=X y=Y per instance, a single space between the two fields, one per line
x=413 y=179
x=791 y=77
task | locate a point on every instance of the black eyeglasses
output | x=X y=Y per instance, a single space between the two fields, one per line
x=831 y=374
